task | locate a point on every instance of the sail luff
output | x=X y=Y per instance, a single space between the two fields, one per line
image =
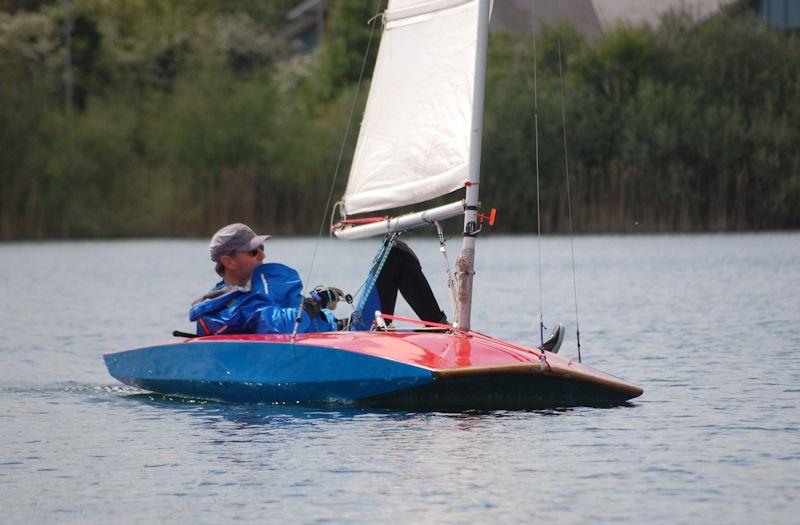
x=465 y=264
x=413 y=145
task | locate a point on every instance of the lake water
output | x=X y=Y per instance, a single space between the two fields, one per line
x=707 y=324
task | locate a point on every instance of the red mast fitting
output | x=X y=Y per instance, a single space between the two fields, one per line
x=490 y=217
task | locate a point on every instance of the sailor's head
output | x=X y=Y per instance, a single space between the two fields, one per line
x=236 y=250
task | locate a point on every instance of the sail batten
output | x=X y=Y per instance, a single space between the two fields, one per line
x=411 y=8
x=414 y=142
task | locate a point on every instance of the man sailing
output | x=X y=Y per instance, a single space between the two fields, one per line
x=265 y=298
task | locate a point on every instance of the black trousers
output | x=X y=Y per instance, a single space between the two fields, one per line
x=402 y=272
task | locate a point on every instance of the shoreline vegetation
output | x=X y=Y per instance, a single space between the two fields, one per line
x=187 y=115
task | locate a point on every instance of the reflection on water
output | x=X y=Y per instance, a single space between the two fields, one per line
x=706 y=324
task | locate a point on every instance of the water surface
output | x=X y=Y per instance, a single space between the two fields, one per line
x=707 y=324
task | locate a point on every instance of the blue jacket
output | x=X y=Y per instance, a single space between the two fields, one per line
x=268 y=306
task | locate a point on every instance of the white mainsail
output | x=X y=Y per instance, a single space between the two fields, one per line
x=414 y=142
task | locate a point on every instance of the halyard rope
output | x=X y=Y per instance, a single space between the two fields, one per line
x=538 y=208
x=451 y=284
x=569 y=197
x=372 y=22
x=542 y=358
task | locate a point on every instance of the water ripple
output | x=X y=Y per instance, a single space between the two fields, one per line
x=707 y=324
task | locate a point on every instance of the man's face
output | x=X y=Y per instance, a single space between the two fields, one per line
x=239 y=266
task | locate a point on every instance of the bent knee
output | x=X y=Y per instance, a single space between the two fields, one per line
x=405 y=257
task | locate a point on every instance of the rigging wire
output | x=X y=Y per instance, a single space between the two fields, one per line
x=451 y=283
x=569 y=193
x=538 y=208
x=372 y=22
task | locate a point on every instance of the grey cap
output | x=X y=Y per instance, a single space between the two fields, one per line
x=233 y=238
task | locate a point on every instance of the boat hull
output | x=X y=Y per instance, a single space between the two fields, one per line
x=274 y=372
x=500 y=391
x=387 y=369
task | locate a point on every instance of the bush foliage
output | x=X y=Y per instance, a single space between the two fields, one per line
x=188 y=115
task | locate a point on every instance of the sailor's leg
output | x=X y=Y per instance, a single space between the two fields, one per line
x=388 y=283
x=402 y=272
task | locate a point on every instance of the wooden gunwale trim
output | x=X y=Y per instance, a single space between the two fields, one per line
x=534 y=369
x=517 y=368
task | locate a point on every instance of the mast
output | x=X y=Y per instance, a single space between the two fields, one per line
x=465 y=264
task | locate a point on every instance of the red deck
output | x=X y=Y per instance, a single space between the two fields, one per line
x=446 y=354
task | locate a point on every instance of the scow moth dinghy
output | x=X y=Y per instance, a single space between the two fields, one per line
x=420 y=139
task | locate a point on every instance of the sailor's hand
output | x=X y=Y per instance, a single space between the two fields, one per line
x=342 y=324
x=313 y=308
x=328 y=296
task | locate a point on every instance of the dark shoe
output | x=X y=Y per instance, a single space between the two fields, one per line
x=553 y=342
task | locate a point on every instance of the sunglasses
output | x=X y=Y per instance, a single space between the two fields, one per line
x=252 y=253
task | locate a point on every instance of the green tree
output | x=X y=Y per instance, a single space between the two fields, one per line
x=348 y=34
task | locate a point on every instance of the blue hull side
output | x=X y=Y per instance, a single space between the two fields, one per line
x=237 y=372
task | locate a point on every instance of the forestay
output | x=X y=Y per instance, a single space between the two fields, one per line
x=415 y=136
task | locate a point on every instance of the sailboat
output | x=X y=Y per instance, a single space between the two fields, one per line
x=420 y=139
